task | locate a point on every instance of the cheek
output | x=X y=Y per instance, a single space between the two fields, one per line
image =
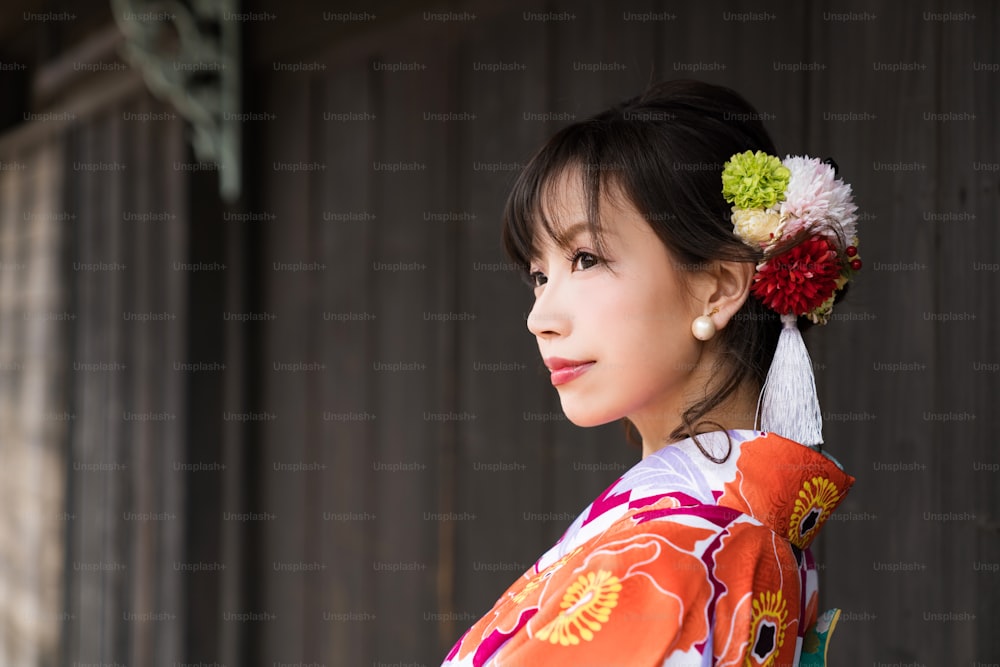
x=652 y=318
x=643 y=339
x=658 y=345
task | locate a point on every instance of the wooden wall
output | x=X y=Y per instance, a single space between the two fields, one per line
x=120 y=401
x=33 y=424
x=158 y=514
x=370 y=451
x=127 y=286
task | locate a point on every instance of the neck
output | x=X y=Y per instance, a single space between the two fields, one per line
x=737 y=412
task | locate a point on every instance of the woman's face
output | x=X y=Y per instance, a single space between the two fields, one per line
x=615 y=331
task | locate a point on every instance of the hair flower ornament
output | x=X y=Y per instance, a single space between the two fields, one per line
x=803 y=220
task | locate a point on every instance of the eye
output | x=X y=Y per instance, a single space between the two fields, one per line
x=536 y=279
x=584 y=260
x=580 y=260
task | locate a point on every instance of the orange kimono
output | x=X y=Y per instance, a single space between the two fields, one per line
x=681 y=561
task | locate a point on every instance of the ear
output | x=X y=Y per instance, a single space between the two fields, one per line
x=728 y=287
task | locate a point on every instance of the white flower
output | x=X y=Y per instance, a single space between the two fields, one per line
x=756 y=225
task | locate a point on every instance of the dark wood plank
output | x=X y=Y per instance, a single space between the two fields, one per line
x=287 y=349
x=500 y=469
x=855 y=358
x=412 y=268
x=347 y=224
x=33 y=363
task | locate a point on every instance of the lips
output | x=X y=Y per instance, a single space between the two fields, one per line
x=564 y=370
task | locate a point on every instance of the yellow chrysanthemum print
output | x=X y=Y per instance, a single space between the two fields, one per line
x=815 y=502
x=543 y=575
x=586 y=606
x=767 y=629
x=518 y=597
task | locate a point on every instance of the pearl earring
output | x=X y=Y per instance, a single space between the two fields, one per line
x=703 y=327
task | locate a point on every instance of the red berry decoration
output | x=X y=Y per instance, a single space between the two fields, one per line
x=855 y=264
x=850 y=251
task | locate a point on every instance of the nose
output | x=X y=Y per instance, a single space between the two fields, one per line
x=549 y=316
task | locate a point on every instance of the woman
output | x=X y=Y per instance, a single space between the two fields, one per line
x=672 y=257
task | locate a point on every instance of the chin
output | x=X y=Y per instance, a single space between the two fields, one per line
x=585 y=416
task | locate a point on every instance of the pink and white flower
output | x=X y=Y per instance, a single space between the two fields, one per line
x=816 y=199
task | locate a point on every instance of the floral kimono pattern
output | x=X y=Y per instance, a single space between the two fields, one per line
x=681 y=561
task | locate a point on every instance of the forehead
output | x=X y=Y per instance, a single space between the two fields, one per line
x=573 y=201
x=562 y=213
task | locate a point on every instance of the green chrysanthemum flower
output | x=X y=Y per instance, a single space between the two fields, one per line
x=754 y=180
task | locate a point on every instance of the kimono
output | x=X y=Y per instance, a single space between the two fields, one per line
x=681 y=561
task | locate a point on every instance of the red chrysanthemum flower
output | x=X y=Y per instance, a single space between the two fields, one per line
x=800 y=279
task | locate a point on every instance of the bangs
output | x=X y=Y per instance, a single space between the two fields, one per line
x=662 y=153
x=573 y=152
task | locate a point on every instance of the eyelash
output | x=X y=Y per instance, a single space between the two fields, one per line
x=573 y=258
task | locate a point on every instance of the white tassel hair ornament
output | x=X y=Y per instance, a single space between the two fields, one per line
x=788 y=405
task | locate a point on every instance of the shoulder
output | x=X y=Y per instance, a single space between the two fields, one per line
x=662 y=587
x=723 y=544
x=692 y=574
